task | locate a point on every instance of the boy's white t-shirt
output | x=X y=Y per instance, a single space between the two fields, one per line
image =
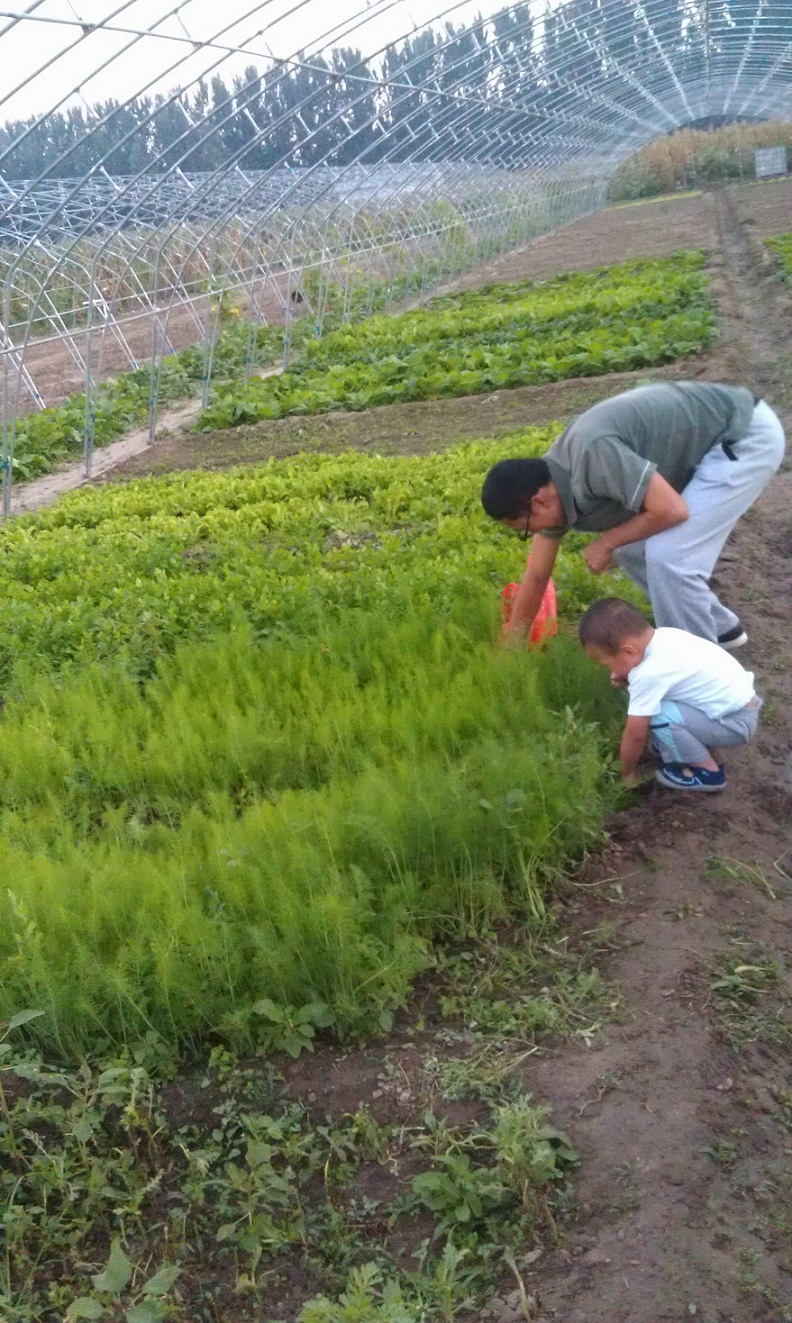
x=683 y=668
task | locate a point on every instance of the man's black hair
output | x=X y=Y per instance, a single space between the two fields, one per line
x=610 y=622
x=510 y=485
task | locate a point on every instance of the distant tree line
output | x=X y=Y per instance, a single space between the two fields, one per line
x=442 y=94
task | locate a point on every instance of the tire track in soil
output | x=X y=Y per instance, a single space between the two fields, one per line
x=665 y=1231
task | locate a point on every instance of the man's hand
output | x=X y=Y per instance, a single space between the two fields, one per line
x=538 y=569
x=662 y=508
x=598 y=556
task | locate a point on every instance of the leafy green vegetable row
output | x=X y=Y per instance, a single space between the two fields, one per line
x=571 y=302
x=131 y=570
x=610 y=320
x=781 y=245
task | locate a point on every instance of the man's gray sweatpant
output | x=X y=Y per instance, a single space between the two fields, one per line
x=674 y=567
x=684 y=734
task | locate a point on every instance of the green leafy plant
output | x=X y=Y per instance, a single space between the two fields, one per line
x=369 y=1298
x=290 y=1030
x=532 y=1153
x=614 y=319
x=523 y=1157
x=458 y=1192
x=112 y=1288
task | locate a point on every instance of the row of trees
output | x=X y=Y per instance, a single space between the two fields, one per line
x=437 y=95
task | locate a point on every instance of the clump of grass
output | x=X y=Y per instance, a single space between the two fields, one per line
x=751 y=1003
x=781 y=245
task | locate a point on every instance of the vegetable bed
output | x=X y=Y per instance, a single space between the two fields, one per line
x=614 y=319
x=258 y=753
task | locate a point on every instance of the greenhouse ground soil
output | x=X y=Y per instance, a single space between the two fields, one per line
x=683 y=1112
x=683 y=1193
x=681 y=1107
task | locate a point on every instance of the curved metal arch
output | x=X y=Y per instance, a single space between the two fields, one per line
x=531 y=107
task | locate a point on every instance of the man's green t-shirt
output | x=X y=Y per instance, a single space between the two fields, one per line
x=603 y=463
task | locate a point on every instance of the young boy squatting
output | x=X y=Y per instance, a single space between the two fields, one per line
x=686 y=695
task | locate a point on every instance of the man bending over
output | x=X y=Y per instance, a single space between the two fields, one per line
x=662 y=473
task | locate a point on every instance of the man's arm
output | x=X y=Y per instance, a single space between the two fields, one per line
x=662 y=508
x=540 y=564
x=633 y=743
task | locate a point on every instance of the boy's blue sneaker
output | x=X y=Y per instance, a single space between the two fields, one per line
x=678 y=777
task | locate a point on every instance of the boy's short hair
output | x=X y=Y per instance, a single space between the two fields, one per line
x=610 y=622
x=511 y=484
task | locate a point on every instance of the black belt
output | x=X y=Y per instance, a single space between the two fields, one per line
x=728 y=446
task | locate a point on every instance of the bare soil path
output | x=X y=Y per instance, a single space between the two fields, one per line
x=682 y=1109
x=684 y=1112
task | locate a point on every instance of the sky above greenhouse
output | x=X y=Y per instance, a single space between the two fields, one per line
x=56 y=51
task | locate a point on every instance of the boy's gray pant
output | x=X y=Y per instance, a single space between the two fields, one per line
x=673 y=568
x=684 y=734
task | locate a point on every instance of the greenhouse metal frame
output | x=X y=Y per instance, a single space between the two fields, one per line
x=387 y=153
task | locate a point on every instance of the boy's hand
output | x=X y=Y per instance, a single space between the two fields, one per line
x=636 y=733
x=618 y=681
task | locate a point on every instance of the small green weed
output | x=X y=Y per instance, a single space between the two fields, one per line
x=145 y=1216
x=751 y=1004
x=370 y=1297
x=114 y=1288
x=722 y=1151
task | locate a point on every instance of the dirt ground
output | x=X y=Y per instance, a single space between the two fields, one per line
x=681 y=1107
x=765 y=207
x=682 y=1111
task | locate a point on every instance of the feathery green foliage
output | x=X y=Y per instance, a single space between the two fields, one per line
x=296 y=821
x=282 y=757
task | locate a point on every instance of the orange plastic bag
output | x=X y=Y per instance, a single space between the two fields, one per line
x=545 y=624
